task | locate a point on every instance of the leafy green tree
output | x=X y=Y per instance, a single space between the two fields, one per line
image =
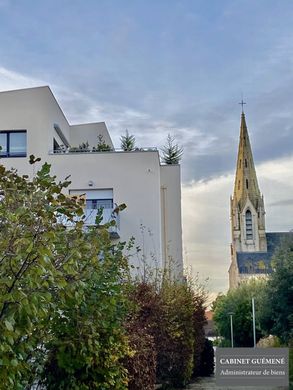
x=276 y=315
x=239 y=302
x=172 y=152
x=61 y=290
x=127 y=142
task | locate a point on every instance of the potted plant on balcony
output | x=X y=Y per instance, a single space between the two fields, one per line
x=171 y=152
x=102 y=146
x=127 y=142
x=83 y=147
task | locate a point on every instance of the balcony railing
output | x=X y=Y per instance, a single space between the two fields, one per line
x=92 y=151
x=108 y=215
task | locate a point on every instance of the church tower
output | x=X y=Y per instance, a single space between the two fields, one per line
x=252 y=249
x=247 y=204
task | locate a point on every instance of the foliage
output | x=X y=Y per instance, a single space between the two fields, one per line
x=69 y=318
x=174 y=337
x=207 y=359
x=102 y=146
x=141 y=365
x=199 y=321
x=83 y=147
x=238 y=302
x=89 y=339
x=276 y=316
x=60 y=303
x=167 y=314
x=127 y=142
x=269 y=342
x=172 y=152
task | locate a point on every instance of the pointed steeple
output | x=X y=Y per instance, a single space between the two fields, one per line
x=246 y=185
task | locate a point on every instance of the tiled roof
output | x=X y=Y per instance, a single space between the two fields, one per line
x=260 y=262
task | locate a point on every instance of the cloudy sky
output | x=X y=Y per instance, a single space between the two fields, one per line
x=169 y=66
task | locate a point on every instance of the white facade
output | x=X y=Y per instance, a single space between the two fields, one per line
x=150 y=190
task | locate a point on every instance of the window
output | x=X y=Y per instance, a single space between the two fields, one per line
x=96 y=199
x=240 y=163
x=246 y=165
x=13 y=143
x=99 y=203
x=246 y=183
x=248 y=224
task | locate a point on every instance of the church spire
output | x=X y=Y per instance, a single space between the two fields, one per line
x=246 y=185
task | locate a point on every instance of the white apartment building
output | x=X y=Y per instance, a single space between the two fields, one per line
x=32 y=122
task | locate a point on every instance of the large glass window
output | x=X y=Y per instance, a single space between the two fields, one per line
x=13 y=143
x=96 y=199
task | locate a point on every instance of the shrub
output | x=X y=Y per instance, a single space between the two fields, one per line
x=141 y=365
x=102 y=146
x=174 y=336
x=207 y=359
x=199 y=320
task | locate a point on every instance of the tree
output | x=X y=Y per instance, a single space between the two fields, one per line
x=276 y=316
x=62 y=304
x=172 y=152
x=238 y=302
x=127 y=142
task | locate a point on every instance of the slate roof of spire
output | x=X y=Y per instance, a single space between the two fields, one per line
x=246 y=184
x=260 y=262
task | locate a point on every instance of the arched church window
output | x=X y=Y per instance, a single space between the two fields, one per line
x=245 y=163
x=248 y=225
x=240 y=163
x=247 y=183
x=238 y=184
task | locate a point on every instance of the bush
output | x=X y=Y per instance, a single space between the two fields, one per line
x=174 y=337
x=199 y=320
x=141 y=364
x=165 y=322
x=207 y=359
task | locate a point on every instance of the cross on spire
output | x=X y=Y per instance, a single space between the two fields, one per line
x=242 y=103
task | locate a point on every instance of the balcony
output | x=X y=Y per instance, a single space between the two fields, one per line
x=108 y=216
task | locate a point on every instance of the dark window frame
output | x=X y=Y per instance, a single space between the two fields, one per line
x=249 y=225
x=7 y=153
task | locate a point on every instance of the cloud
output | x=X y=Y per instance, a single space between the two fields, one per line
x=10 y=80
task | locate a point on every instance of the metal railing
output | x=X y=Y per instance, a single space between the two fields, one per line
x=108 y=215
x=116 y=150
